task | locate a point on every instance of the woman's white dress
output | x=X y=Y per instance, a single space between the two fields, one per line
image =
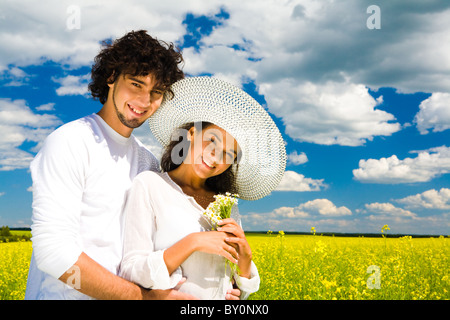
x=158 y=214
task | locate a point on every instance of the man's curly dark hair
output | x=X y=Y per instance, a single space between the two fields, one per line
x=136 y=54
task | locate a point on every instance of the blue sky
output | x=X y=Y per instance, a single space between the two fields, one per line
x=365 y=112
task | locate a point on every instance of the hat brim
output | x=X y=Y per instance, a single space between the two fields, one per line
x=263 y=159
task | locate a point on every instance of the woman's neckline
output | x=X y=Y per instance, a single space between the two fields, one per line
x=190 y=197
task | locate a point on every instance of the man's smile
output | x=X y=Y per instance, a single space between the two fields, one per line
x=136 y=110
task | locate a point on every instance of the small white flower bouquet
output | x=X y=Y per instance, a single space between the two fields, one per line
x=221 y=208
x=218 y=210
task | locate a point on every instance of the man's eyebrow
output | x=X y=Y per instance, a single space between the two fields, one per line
x=157 y=88
x=137 y=80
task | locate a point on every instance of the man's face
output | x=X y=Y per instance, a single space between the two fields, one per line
x=135 y=99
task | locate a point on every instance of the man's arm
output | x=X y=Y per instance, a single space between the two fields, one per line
x=90 y=278
x=58 y=184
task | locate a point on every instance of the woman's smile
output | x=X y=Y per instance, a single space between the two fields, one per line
x=208 y=164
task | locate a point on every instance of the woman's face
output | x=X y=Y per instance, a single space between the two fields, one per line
x=212 y=151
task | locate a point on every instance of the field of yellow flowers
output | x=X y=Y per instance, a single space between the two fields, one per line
x=321 y=267
x=312 y=267
x=14 y=262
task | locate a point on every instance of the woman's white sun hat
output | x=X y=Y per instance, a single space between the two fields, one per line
x=208 y=99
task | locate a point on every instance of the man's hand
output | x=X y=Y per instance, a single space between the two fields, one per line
x=169 y=294
x=174 y=294
x=99 y=283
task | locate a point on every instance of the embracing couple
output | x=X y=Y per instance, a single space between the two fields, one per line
x=110 y=221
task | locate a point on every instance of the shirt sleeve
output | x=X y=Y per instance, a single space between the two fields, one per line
x=141 y=264
x=248 y=285
x=57 y=173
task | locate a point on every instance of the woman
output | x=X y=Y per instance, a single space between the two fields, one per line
x=166 y=234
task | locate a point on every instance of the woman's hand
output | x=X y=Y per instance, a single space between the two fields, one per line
x=236 y=238
x=233 y=294
x=207 y=241
x=214 y=242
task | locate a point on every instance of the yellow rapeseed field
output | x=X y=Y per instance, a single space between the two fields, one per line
x=312 y=267
x=14 y=262
x=319 y=267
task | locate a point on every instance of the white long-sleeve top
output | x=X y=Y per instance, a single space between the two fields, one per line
x=80 y=179
x=157 y=215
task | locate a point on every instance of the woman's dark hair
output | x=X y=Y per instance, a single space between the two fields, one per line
x=136 y=54
x=225 y=182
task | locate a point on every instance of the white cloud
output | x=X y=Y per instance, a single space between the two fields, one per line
x=290 y=212
x=73 y=85
x=14 y=159
x=18 y=124
x=2 y=194
x=297 y=159
x=326 y=217
x=319 y=212
x=46 y=107
x=14 y=77
x=434 y=113
x=388 y=209
x=35 y=32
x=314 y=61
x=367 y=223
x=293 y=181
x=427 y=165
x=332 y=113
x=323 y=40
x=226 y=63
x=401 y=224
x=431 y=199
x=324 y=207
x=317 y=207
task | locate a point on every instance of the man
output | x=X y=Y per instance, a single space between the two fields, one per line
x=84 y=169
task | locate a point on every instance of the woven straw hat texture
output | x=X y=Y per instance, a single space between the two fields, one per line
x=263 y=160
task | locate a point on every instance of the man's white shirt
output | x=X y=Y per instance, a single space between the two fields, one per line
x=80 y=181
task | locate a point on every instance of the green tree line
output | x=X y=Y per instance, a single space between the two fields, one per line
x=7 y=236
